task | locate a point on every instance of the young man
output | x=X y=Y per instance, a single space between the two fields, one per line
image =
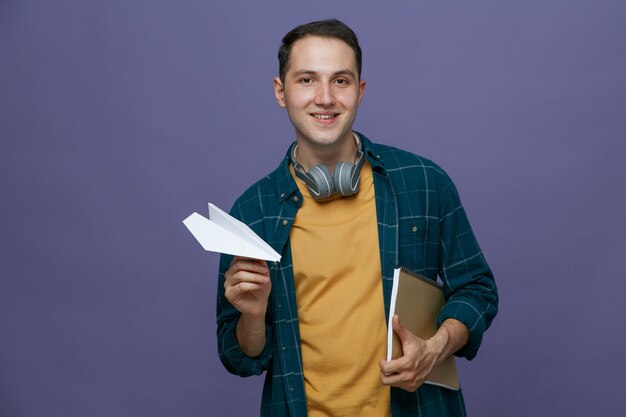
x=343 y=212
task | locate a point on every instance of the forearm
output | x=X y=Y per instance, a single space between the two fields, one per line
x=234 y=359
x=250 y=334
x=470 y=290
x=451 y=337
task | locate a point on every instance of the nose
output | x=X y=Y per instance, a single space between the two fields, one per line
x=324 y=95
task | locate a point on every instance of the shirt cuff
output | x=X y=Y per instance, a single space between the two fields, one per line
x=465 y=312
x=239 y=363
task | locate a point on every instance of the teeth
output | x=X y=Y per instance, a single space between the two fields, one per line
x=324 y=116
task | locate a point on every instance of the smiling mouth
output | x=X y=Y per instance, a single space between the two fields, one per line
x=325 y=116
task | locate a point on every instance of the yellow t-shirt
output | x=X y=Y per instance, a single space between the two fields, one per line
x=339 y=293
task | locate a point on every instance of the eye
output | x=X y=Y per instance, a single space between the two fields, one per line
x=341 y=82
x=306 y=80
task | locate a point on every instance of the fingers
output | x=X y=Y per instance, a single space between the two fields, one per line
x=236 y=289
x=244 y=270
x=402 y=363
x=394 y=366
x=408 y=371
x=247 y=264
x=386 y=369
x=395 y=374
x=247 y=286
x=238 y=277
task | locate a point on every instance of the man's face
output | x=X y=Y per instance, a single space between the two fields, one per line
x=321 y=90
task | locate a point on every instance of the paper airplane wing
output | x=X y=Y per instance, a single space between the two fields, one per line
x=239 y=228
x=215 y=238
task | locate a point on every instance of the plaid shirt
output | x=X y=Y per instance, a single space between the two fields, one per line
x=421 y=225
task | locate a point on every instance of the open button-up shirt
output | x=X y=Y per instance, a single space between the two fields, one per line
x=421 y=226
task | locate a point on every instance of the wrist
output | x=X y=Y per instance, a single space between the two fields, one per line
x=254 y=316
x=439 y=343
x=456 y=336
x=250 y=334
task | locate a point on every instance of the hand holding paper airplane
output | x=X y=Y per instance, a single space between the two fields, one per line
x=225 y=234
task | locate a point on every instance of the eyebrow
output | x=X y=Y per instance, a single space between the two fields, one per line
x=345 y=72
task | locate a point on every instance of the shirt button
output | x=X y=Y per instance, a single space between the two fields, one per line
x=296 y=199
x=282 y=195
x=285 y=222
x=414 y=228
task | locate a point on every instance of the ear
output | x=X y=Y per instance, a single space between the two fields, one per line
x=279 y=92
x=361 y=90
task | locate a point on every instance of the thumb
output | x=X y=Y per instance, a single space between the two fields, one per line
x=400 y=330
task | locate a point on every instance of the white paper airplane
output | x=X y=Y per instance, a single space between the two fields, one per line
x=225 y=234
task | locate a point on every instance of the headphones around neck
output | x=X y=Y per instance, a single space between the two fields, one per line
x=324 y=185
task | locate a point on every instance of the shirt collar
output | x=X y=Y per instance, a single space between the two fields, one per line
x=372 y=153
x=285 y=185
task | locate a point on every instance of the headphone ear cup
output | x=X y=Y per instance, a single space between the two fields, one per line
x=323 y=180
x=343 y=179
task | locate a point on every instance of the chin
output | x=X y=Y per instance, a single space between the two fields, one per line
x=325 y=139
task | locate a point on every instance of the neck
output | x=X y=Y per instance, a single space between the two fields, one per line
x=309 y=155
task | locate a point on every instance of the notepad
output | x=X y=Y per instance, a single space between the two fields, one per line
x=417 y=300
x=224 y=234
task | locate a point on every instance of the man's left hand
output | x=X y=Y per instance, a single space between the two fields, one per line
x=419 y=356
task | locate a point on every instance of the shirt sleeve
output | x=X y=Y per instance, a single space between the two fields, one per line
x=234 y=360
x=230 y=353
x=469 y=286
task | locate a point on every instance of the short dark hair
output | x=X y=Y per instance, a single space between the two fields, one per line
x=330 y=28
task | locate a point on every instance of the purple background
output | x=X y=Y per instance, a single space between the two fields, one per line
x=120 y=118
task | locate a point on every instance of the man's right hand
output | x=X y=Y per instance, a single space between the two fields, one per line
x=247 y=287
